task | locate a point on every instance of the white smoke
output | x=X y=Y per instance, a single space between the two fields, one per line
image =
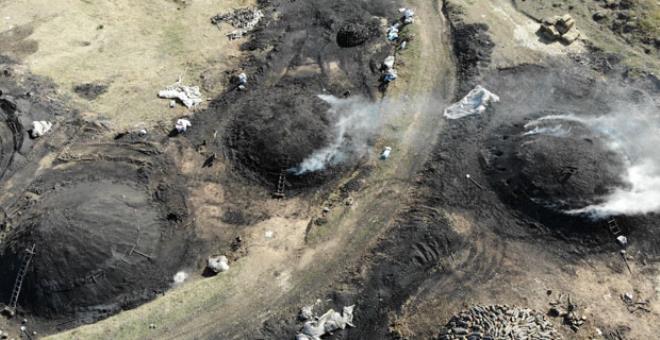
x=555 y=131
x=633 y=130
x=357 y=120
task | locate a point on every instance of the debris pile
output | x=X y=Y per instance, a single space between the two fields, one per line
x=559 y=28
x=315 y=327
x=187 y=95
x=407 y=18
x=634 y=305
x=568 y=310
x=244 y=20
x=475 y=102
x=498 y=322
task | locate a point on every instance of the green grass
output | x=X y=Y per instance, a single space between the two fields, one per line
x=650 y=18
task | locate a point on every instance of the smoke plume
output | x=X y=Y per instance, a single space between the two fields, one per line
x=357 y=121
x=633 y=130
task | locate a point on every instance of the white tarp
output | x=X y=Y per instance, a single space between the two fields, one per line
x=475 y=102
x=408 y=15
x=188 y=95
x=393 y=33
x=218 y=264
x=389 y=62
x=39 y=128
x=327 y=323
x=386 y=153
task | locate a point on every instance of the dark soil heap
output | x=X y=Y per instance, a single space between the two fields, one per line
x=105 y=230
x=355 y=34
x=555 y=164
x=277 y=128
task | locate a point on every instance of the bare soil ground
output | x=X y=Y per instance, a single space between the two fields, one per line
x=133 y=49
x=418 y=243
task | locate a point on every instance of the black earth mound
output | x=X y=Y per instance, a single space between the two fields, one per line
x=277 y=128
x=277 y=121
x=106 y=225
x=555 y=164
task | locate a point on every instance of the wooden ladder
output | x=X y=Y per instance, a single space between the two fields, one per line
x=279 y=192
x=22 y=271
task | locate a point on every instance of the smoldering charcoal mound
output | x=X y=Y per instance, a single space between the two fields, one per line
x=278 y=128
x=555 y=164
x=106 y=235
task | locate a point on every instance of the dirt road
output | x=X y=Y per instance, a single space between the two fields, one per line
x=276 y=279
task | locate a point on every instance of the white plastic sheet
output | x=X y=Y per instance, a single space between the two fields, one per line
x=188 y=95
x=475 y=102
x=182 y=125
x=39 y=128
x=327 y=323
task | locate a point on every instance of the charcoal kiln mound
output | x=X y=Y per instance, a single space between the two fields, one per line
x=552 y=165
x=277 y=129
x=107 y=225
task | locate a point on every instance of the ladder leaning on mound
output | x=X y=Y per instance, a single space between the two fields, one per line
x=10 y=309
x=281 y=182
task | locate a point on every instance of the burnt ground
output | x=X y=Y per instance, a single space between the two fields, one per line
x=93 y=195
x=110 y=228
x=454 y=242
x=85 y=203
x=427 y=258
x=278 y=121
x=20 y=104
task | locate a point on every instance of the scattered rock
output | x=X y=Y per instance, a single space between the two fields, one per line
x=243 y=19
x=559 y=28
x=600 y=15
x=569 y=311
x=498 y=322
x=348 y=201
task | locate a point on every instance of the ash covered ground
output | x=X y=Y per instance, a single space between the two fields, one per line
x=507 y=211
